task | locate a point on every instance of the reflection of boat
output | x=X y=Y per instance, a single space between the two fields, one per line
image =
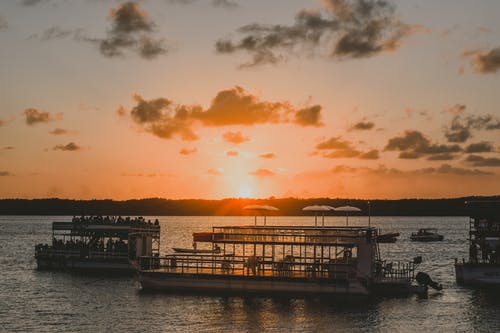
x=288 y=260
x=193 y=250
x=390 y=237
x=99 y=244
x=426 y=235
x=483 y=266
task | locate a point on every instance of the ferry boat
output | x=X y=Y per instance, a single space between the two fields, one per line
x=483 y=266
x=289 y=260
x=99 y=244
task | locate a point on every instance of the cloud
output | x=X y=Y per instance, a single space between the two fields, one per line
x=370 y=155
x=234 y=106
x=69 y=147
x=33 y=116
x=344 y=28
x=56 y=32
x=232 y=153
x=268 y=155
x=4 y=173
x=235 y=137
x=262 y=173
x=460 y=129
x=310 y=116
x=7 y=148
x=443 y=169
x=59 y=131
x=362 y=126
x=413 y=144
x=131 y=30
x=336 y=147
x=485 y=62
x=214 y=172
x=480 y=147
x=441 y=157
x=187 y=151
x=3 y=24
x=229 y=4
x=162 y=118
x=480 y=161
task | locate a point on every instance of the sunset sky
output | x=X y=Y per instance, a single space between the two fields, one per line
x=231 y=98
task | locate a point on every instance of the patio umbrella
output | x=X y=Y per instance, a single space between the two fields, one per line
x=263 y=208
x=316 y=209
x=347 y=209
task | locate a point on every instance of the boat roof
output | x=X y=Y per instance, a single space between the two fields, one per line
x=104 y=227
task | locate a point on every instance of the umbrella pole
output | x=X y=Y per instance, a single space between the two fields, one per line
x=347 y=219
x=264 y=219
x=315 y=219
x=323 y=220
x=255 y=221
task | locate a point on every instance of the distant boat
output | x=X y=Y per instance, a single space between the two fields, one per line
x=193 y=250
x=390 y=237
x=426 y=235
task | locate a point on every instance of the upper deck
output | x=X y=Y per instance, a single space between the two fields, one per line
x=292 y=235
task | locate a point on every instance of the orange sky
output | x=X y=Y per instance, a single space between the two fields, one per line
x=216 y=99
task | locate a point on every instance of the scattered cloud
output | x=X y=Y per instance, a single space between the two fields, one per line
x=214 y=172
x=131 y=30
x=462 y=125
x=413 y=144
x=5 y=173
x=443 y=169
x=310 y=116
x=485 y=62
x=268 y=155
x=229 y=4
x=336 y=147
x=69 y=147
x=262 y=173
x=341 y=29
x=362 y=126
x=235 y=137
x=3 y=24
x=7 y=148
x=34 y=116
x=32 y=2
x=480 y=147
x=140 y=174
x=480 y=161
x=187 y=151
x=442 y=157
x=57 y=32
x=232 y=153
x=370 y=155
x=229 y=107
x=60 y=131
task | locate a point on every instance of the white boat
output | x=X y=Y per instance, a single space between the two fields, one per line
x=483 y=266
x=426 y=235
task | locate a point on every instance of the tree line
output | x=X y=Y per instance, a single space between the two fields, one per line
x=234 y=206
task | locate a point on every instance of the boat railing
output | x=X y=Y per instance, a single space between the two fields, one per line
x=395 y=271
x=234 y=265
x=49 y=251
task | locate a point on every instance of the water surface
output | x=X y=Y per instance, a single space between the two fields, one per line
x=61 y=302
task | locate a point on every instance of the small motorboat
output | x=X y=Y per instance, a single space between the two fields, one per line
x=389 y=237
x=426 y=235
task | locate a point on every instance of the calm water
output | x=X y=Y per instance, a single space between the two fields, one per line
x=62 y=302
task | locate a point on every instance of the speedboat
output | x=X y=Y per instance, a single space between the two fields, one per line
x=426 y=235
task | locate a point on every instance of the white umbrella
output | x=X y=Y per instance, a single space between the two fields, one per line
x=347 y=209
x=318 y=208
x=260 y=208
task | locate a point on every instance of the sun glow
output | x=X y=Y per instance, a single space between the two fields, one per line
x=244 y=191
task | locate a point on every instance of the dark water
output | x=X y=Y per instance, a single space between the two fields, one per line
x=61 y=302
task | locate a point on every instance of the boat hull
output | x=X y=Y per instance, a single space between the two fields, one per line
x=62 y=263
x=478 y=274
x=161 y=281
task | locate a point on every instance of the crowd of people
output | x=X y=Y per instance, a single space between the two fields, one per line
x=100 y=245
x=130 y=221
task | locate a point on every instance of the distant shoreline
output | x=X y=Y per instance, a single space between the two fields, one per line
x=234 y=207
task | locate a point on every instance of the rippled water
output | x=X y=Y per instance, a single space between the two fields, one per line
x=62 y=302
